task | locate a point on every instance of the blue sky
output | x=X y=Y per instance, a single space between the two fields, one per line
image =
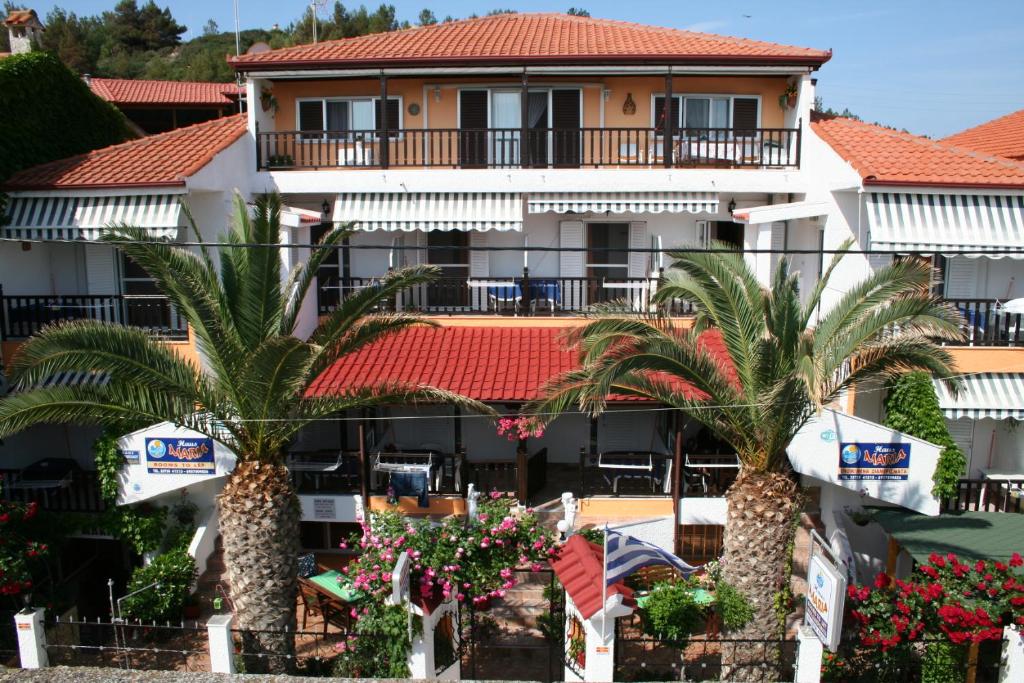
x=930 y=67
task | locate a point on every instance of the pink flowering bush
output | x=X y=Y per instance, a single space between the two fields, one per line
x=520 y=428
x=20 y=553
x=472 y=561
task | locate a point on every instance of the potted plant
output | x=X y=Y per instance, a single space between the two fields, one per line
x=787 y=100
x=267 y=100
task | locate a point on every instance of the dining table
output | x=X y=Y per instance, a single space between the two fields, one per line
x=336 y=586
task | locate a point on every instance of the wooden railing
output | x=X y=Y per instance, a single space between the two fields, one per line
x=80 y=494
x=988 y=495
x=543 y=148
x=986 y=325
x=515 y=295
x=21 y=316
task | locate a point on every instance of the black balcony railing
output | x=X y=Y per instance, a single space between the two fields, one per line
x=986 y=324
x=543 y=148
x=78 y=492
x=22 y=316
x=516 y=296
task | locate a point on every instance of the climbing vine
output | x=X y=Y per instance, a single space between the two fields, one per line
x=911 y=406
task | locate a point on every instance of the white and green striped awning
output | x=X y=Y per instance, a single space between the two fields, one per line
x=623 y=202
x=993 y=395
x=930 y=223
x=84 y=218
x=411 y=211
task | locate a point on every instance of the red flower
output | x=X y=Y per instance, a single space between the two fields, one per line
x=979 y=566
x=929 y=571
x=937 y=560
x=1016 y=560
x=882 y=580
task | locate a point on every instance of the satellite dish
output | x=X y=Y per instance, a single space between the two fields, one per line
x=258 y=48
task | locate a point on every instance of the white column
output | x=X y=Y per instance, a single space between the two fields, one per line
x=600 y=649
x=222 y=650
x=1012 y=668
x=808 y=656
x=31 y=639
x=759 y=237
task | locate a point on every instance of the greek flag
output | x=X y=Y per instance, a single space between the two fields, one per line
x=624 y=554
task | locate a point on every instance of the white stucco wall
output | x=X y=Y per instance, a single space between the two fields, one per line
x=990 y=445
x=42 y=268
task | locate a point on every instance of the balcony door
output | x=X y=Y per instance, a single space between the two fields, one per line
x=607 y=252
x=449 y=251
x=506 y=118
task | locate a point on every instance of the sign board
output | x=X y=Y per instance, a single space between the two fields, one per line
x=400 y=579
x=132 y=457
x=180 y=456
x=324 y=508
x=860 y=461
x=826 y=596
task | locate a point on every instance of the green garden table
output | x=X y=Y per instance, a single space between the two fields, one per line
x=328 y=582
x=700 y=596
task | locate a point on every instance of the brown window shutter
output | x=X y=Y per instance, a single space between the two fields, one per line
x=473 y=124
x=311 y=116
x=565 y=119
x=744 y=115
x=394 y=114
x=677 y=113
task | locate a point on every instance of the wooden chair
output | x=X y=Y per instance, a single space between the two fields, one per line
x=311 y=601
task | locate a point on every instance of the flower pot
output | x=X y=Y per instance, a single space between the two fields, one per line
x=791 y=100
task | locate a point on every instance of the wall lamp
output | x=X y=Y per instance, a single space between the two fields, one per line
x=732 y=206
x=325 y=208
x=437 y=93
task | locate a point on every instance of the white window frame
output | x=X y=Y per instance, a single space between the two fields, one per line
x=696 y=95
x=373 y=99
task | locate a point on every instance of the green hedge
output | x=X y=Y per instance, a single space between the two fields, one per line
x=49 y=113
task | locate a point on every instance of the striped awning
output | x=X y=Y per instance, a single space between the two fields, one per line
x=65 y=378
x=84 y=218
x=411 y=211
x=928 y=223
x=623 y=202
x=993 y=395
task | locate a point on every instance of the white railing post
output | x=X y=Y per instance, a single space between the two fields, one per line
x=808 y=656
x=1012 y=666
x=222 y=649
x=31 y=639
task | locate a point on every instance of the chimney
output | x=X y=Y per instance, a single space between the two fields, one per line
x=25 y=30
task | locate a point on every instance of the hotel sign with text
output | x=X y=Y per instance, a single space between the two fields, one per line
x=864 y=461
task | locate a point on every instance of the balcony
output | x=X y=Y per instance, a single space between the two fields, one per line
x=503 y=148
x=987 y=324
x=21 y=316
x=515 y=295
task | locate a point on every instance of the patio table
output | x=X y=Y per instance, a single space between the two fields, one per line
x=328 y=582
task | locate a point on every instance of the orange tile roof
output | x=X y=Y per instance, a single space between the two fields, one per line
x=1002 y=137
x=21 y=17
x=128 y=91
x=884 y=156
x=534 y=39
x=158 y=160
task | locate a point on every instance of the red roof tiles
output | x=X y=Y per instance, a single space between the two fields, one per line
x=884 y=156
x=158 y=160
x=22 y=17
x=490 y=364
x=1002 y=137
x=534 y=38
x=124 y=91
x=579 y=565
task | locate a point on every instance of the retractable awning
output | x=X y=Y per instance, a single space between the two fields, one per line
x=928 y=223
x=411 y=211
x=771 y=213
x=993 y=395
x=623 y=202
x=84 y=218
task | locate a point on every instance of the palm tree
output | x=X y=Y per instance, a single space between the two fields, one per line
x=243 y=314
x=787 y=362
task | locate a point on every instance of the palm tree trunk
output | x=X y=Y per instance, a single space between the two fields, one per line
x=757 y=544
x=259 y=524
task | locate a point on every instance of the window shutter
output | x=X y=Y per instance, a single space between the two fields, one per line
x=962 y=433
x=565 y=119
x=638 y=260
x=677 y=111
x=394 y=116
x=101 y=269
x=961 y=278
x=744 y=115
x=479 y=267
x=571 y=264
x=311 y=116
x=703 y=234
x=778 y=243
x=628 y=431
x=473 y=122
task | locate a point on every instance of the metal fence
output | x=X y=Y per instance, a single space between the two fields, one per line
x=644 y=658
x=908 y=662
x=314 y=651
x=128 y=645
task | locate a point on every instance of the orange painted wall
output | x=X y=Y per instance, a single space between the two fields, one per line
x=186 y=349
x=979 y=359
x=439 y=505
x=443 y=113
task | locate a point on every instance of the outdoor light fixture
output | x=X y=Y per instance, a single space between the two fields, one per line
x=607 y=94
x=437 y=93
x=732 y=206
x=325 y=208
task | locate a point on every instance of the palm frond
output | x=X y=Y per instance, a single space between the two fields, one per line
x=304 y=274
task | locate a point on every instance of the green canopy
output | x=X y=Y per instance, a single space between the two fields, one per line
x=970 y=535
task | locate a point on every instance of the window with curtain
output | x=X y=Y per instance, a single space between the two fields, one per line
x=336 y=117
x=694 y=115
